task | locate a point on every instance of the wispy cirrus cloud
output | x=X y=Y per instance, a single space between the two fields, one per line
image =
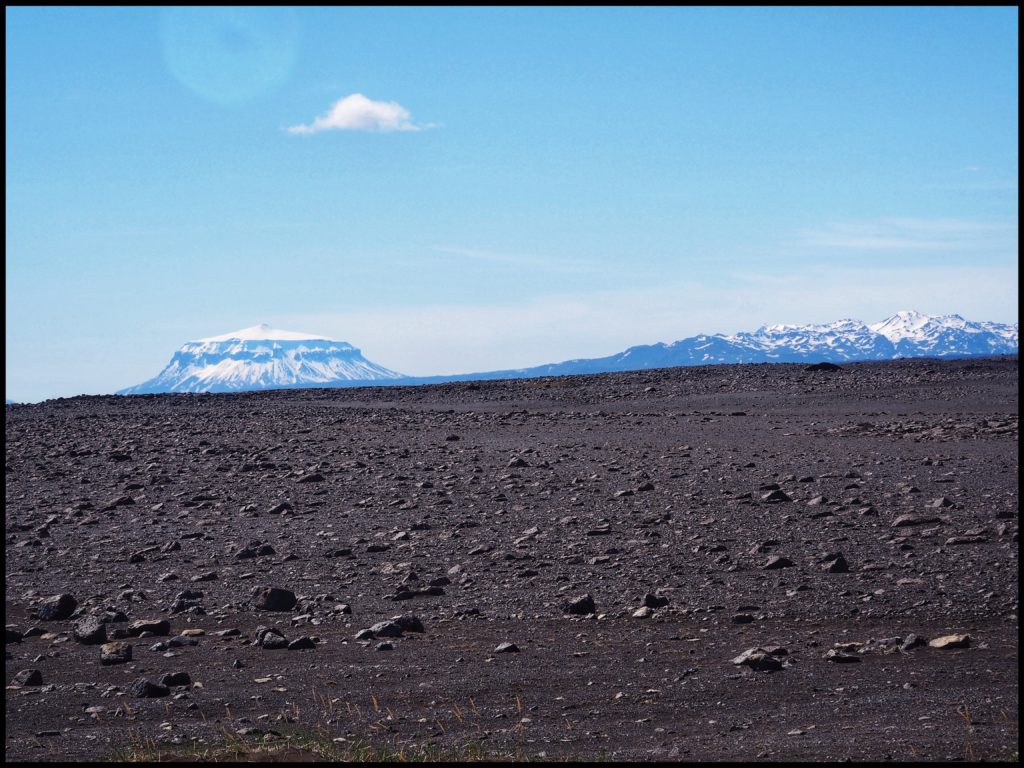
x=359 y=113
x=912 y=234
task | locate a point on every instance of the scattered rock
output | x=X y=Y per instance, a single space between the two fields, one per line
x=580 y=606
x=270 y=639
x=273 y=599
x=759 y=660
x=951 y=641
x=115 y=653
x=90 y=631
x=56 y=608
x=386 y=629
x=409 y=623
x=28 y=677
x=159 y=627
x=838 y=656
x=147 y=689
x=176 y=679
x=904 y=521
x=835 y=563
x=912 y=641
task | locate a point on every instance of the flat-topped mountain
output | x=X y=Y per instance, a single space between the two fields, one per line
x=262 y=357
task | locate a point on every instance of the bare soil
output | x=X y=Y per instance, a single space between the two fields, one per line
x=484 y=509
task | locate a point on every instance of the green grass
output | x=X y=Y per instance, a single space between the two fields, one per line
x=304 y=747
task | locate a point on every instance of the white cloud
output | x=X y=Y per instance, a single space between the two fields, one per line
x=912 y=234
x=358 y=113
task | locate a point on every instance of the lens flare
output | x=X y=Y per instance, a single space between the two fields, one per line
x=229 y=55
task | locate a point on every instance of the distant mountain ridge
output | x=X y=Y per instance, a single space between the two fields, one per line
x=905 y=334
x=265 y=358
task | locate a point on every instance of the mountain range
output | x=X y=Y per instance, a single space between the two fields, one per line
x=265 y=358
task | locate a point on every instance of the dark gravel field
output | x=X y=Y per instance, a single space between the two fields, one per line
x=735 y=562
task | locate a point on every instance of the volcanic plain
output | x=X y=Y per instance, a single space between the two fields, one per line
x=736 y=562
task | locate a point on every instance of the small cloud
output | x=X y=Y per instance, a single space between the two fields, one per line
x=911 y=234
x=358 y=113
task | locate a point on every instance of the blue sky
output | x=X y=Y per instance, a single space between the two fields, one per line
x=511 y=187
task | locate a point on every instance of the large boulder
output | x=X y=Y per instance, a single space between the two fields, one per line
x=56 y=608
x=274 y=599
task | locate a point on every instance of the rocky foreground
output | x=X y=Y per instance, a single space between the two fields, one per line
x=732 y=562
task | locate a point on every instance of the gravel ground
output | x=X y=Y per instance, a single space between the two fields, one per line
x=822 y=517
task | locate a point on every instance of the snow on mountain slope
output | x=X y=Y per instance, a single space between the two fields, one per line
x=905 y=334
x=265 y=358
x=913 y=335
x=261 y=357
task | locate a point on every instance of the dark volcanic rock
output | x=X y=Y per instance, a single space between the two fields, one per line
x=386 y=629
x=273 y=599
x=655 y=601
x=115 y=653
x=56 y=608
x=90 y=631
x=176 y=679
x=147 y=689
x=759 y=660
x=904 y=521
x=270 y=638
x=912 y=641
x=409 y=623
x=160 y=627
x=837 y=656
x=835 y=563
x=28 y=677
x=580 y=606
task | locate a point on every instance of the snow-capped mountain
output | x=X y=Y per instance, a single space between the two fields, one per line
x=905 y=334
x=913 y=335
x=265 y=358
x=262 y=357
